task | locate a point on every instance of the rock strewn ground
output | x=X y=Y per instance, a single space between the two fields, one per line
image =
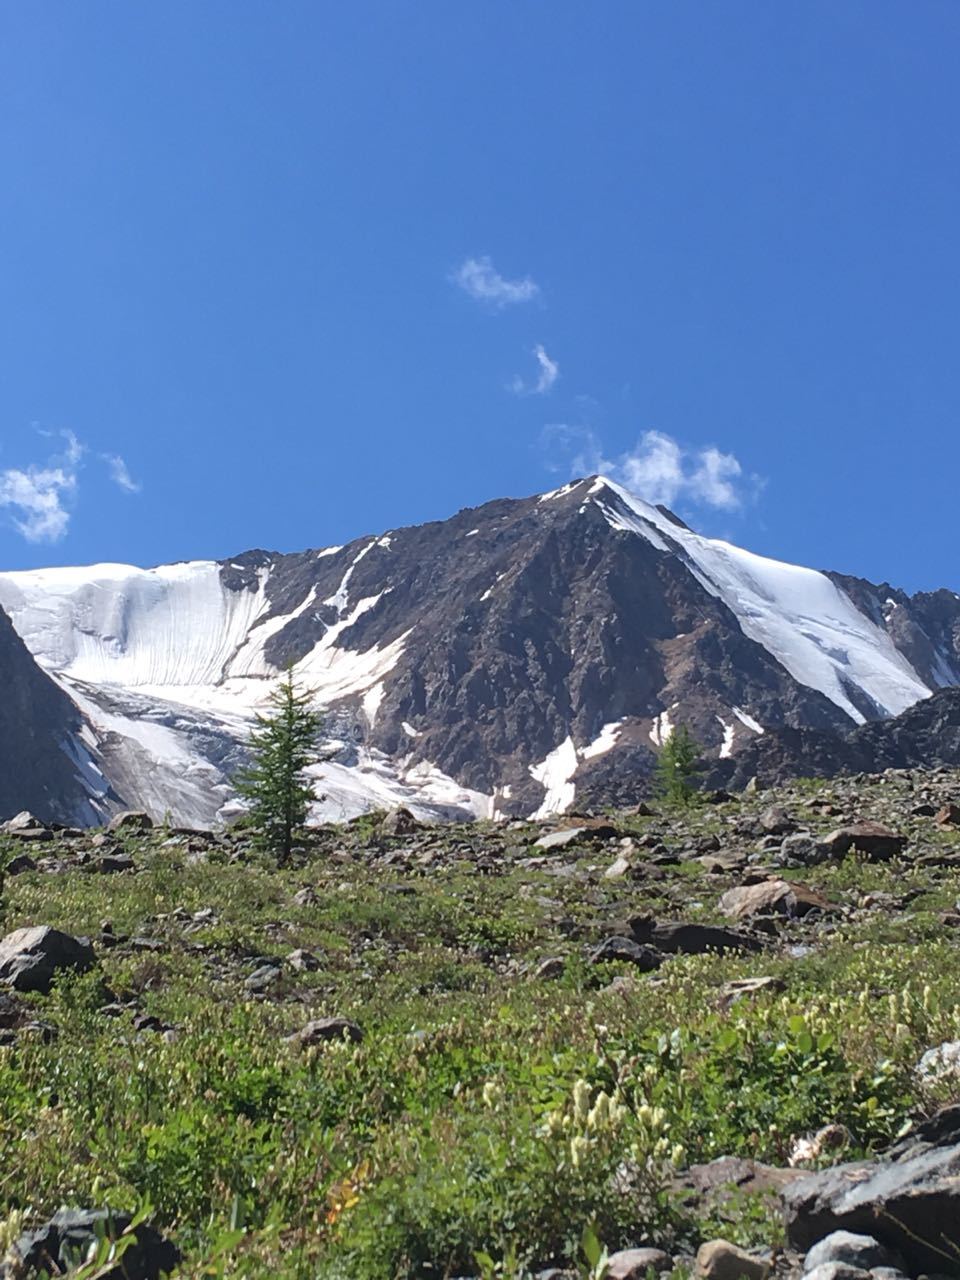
x=487 y=1039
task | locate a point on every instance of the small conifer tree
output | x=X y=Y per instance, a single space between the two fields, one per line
x=676 y=768
x=282 y=746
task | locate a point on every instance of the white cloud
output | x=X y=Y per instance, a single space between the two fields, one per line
x=549 y=372
x=658 y=468
x=481 y=280
x=38 y=496
x=120 y=474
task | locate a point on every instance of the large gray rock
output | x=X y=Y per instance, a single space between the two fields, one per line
x=852 y=1249
x=909 y=1201
x=646 y=959
x=30 y=958
x=130 y=820
x=636 y=1264
x=872 y=839
x=57 y=1247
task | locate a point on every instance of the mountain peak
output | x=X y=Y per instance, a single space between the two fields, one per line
x=493 y=663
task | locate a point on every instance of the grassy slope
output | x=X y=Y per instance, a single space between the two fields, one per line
x=458 y=1128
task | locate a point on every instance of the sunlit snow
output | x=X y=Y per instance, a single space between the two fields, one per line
x=800 y=616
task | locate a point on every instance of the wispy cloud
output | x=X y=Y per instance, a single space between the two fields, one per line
x=120 y=474
x=481 y=280
x=39 y=497
x=547 y=376
x=658 y=468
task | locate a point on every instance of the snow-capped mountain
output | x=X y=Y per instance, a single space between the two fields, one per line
x=515 y=658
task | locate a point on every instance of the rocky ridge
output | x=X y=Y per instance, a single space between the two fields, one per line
x=507 y=661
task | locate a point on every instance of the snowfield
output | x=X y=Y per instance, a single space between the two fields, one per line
x=168 y=667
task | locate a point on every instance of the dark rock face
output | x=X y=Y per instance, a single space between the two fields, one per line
x=57 y=1247
x=925 y=627
x=38 y=722
x=926 y=735
x=31 y=958
x=521 y=623
x=908 y=1201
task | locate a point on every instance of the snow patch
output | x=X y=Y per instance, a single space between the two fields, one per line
x=605 y=740
x=558 y=493
x=729 y=733
x=371 y=701
x=339 y=597
x=748 y=720
x=662 y=729
x=555 y=773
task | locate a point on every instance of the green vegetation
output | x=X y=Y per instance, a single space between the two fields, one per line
x=676 y=768
x=283 y=746
x=491 y=1121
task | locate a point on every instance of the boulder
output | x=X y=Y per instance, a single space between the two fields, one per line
x=646 y=959
x=22 y=862
x=262 y=978
x=322 y=1030
x=634 y=1264
x=720 y=1260
x=909 y=1200
x=870 y=838
x=720 y=1185
x=775 y=821
x=676 y=937
x=559 y=839
x=130 y=820
x=940 y=1063
x=24 y=821
x=399 y=822
x=851 y=1249
x=303 y=961
x=772 y=897
x=30 y=958
x=801 y=849
x=66 y=1238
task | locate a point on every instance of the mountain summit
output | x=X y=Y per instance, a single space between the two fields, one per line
x=512 y=659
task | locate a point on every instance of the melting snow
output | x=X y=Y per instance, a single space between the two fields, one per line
x=555 y=773
x=747 y=720
x=558 y=493
x=371 y=701
x=729 y=733
x=661 y=729
x=605 y=740
x=339 y=597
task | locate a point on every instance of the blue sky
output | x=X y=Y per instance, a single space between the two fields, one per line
x=281 y=274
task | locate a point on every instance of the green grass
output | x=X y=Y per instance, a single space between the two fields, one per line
x=471 y=1123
